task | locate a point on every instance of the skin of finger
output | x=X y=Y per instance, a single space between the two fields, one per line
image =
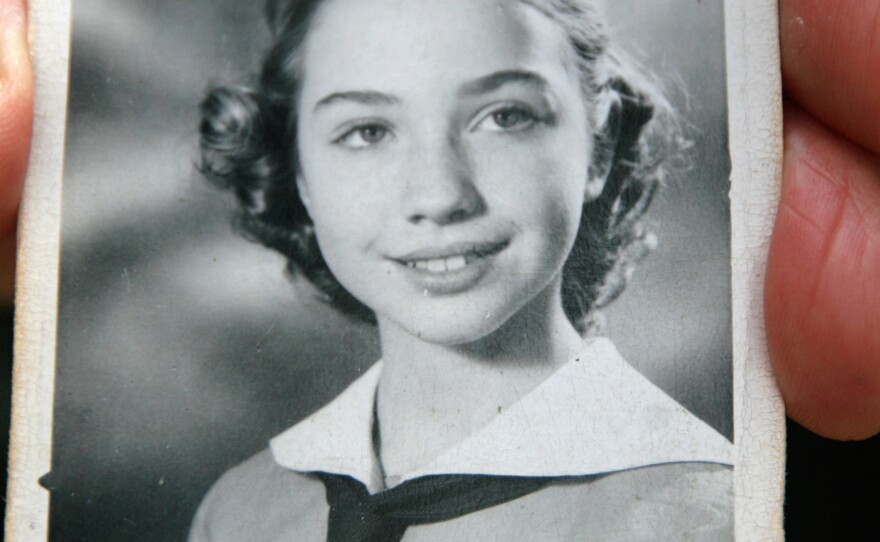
x=16 y=122
x=821 y=293
x=831 y=63
x=16 y=109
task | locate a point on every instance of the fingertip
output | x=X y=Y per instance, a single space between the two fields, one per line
x=16 y=109
x=821 y=293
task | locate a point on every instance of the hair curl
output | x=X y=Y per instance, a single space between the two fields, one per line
x=248 y=137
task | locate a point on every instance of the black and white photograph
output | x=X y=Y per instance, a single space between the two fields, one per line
x=382 y=270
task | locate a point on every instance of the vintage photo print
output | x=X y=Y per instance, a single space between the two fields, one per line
x=381 y=270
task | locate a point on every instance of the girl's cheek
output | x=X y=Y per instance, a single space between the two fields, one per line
x=354 y=208
x=560 y=192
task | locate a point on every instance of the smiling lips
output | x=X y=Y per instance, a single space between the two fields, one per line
x=450 y=258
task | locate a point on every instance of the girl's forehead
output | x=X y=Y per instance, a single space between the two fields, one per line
x=361 y=42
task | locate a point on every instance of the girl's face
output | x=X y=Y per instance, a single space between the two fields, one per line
x=443 y=150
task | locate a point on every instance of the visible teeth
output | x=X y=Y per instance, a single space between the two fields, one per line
x=455 y=263
x=439 y=265
x=436 y=266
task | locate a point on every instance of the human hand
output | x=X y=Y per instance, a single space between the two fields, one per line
x=822 y=291
x=16 y=114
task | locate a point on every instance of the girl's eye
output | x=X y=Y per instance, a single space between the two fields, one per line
x=508 y=119
x=364 y=136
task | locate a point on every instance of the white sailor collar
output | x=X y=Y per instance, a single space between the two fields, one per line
x=594 y=415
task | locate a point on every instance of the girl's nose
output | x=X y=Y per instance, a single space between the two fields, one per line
x=440 y=186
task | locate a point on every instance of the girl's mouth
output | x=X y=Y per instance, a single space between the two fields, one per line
x=451 y=268
x=451 y=257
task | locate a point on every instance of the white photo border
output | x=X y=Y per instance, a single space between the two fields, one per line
x=755 y=130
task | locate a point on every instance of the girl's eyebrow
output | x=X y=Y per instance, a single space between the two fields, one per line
x=483 y=85
x=497 y=80
x=365 y=97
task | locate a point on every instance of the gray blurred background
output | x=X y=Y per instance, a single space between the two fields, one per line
x=182 y=348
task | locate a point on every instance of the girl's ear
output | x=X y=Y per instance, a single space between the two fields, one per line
x=303 y=191
x=608 y=117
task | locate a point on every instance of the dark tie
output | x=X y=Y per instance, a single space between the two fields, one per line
x=357 y=516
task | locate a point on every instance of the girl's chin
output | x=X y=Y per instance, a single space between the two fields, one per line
x=451 y=330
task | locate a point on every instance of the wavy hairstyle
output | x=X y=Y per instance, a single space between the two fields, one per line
x=248 y=142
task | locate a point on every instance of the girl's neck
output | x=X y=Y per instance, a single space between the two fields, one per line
x=432 y=396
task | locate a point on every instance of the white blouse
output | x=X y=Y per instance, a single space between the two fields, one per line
x=661 y=473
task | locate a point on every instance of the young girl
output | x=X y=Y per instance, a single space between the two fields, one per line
x=470 y=175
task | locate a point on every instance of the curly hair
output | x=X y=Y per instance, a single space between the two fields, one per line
x=248 y=133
